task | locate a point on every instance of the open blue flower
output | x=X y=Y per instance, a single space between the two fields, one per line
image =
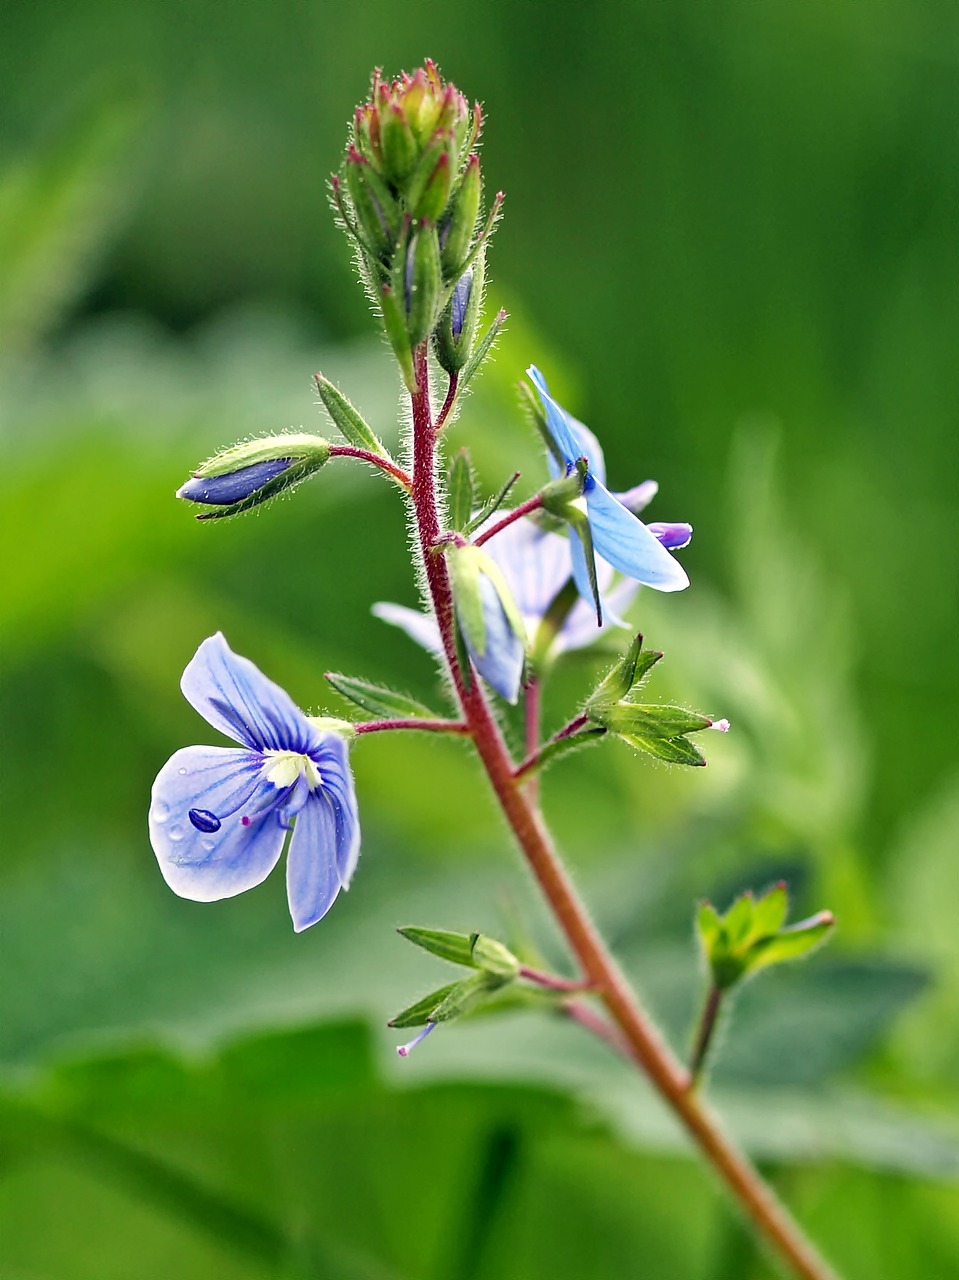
x=619 y=537
x=219 y=816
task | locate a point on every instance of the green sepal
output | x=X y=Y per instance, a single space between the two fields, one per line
x=493 y=957
x=453 y=350
x=418 y=1014
x=291 y=444
x=455 y=947
x=631 y=669
x=464 y=567
x=377 y=699
x=394 y=323
x=794 y=941
x=483 y=348
x=539 y=421
x=651 y=721
x=347 y=419
x=670 y=750
x=398 y=147
x=377 y=213
x=578 y=521
x=460 y=491
x=460 y=222
x=427 y=283
x=435 y=195
x=452 y=1001
x=419 y=185
x=491 y=505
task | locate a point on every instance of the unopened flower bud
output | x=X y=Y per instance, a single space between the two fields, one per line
x=456 y=331
x=456 y=234
x=247 y=474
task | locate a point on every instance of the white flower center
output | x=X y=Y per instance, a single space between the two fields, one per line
x=287 y=766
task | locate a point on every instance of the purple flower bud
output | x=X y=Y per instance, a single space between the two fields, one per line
x=672 y=536
x=223 y=491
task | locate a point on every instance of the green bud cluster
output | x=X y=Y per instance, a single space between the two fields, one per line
x=753 y=935
x=410 y=195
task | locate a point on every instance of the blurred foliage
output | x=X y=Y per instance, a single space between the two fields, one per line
x=756 y=284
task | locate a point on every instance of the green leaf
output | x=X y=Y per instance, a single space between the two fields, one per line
x=460 y=490
x=467 y=995
x=347 y=418
x=377 y=699
x=483 y=348
x=709 y=926
x=553 y=750
x=464 y=568
x=770 y=912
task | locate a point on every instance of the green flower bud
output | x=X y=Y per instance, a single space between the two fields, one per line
x=460 y=222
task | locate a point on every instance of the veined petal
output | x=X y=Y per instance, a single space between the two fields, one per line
x=557 y=421
x=202 y=865
x=312 y=878
x=235 y=697
x=336 y=779
x=534 y=562
x=628 y=545
x=420 y=627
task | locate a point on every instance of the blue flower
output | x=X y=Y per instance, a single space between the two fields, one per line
x=220 y=816
x=618 y=536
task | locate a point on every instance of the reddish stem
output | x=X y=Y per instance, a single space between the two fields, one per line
x=376 y=459
x=447 y=403
x=532 y=758
x=524 y=508
x=551 y=982
x=428 y=726
x=645 y=1044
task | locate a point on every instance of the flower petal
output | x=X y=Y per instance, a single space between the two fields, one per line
x=534 y=562
x=420 y=627
x=208 y=865
x=235 y=697
x=332 y=759
x=672 y=536
x=560 y=426
x=628 y=545
x=312 y=878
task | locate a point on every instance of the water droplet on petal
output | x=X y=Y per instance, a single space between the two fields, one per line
x=175 y=833
x=208 y=845
x=182 y=772
x=161 y=811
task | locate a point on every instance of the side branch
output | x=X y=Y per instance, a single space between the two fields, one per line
x=392 y=469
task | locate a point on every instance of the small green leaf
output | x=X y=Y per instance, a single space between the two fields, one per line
x=467 y=994
x=483 y=348
x=377 y=699
x=347 y=419
x=553 y=750
x=464 y=569
x=709 y=925
x=460 y=490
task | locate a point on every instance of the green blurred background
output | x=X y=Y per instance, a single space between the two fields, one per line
x=730 y=244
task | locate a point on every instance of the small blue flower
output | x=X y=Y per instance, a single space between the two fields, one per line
x=618 y=536
x=220 y=816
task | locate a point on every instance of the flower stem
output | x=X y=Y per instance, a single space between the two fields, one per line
x=394 y=471
x=448 y=403
x=550 y=982
x=645 y=1044
x=532 y=757
x=704 y=1035
x=524 y=508
x=428 y=726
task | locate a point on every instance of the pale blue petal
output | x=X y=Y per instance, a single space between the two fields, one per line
x=560 y=427
x=235 y=697
x=207 y=866
x=534 y=562
x=332 y=759
x=580 y=629
x=312 y=878
x=639 y=497
x=420 y=627
x=628 y=545
x=501 y=662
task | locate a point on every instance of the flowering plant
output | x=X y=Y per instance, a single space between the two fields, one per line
x=505 y=591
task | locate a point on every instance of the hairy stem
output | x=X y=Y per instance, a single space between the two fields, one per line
x=427 y=726
x=645 y=1044
x=391 y=468
x=704 y=1035
x=524 y=508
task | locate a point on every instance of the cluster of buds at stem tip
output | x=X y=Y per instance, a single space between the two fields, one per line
x=246 y=474
x=409 y=194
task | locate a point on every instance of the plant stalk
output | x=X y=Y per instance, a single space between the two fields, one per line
x=645 y=1044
